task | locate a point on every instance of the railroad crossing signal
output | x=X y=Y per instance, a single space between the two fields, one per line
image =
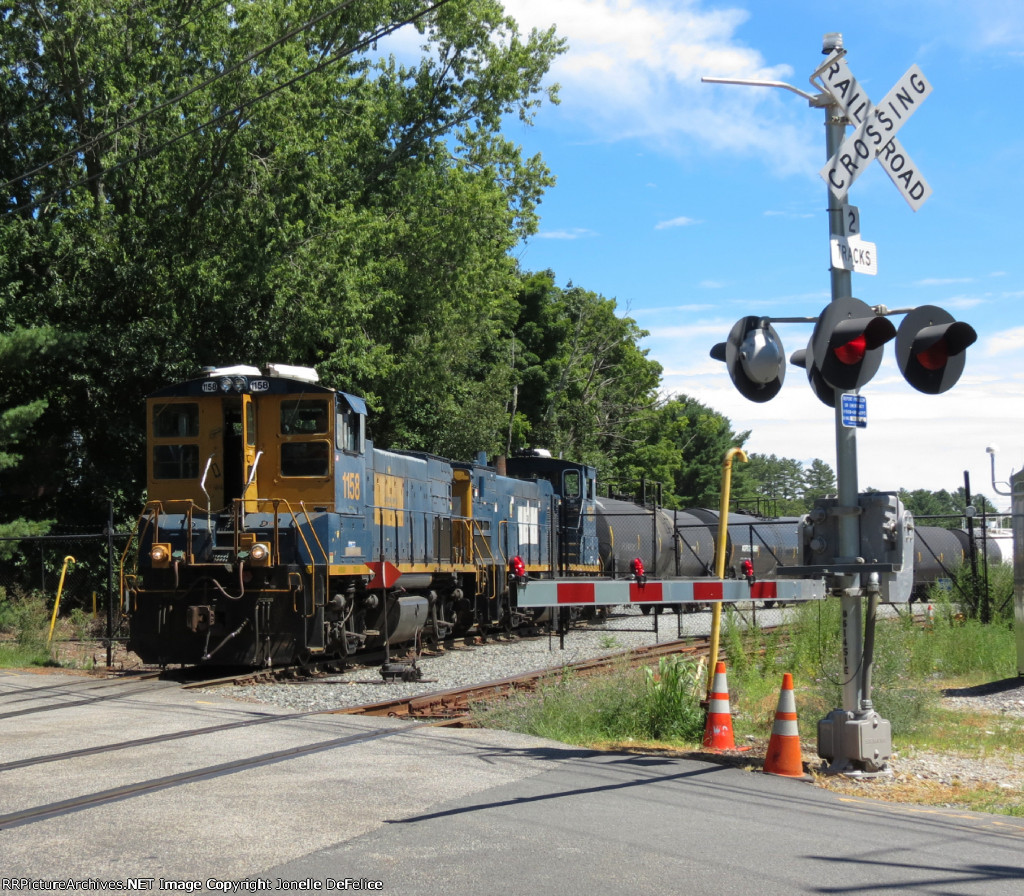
x=931 y=348
x=755 y=358
x=848 y=342
x=875 y=134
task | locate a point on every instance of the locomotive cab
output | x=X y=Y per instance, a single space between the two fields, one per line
x=210 y=446
x=576 y=486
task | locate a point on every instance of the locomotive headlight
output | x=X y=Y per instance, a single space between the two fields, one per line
x=259 y=554
x=160 y=555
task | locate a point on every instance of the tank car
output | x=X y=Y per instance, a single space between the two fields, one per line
x=276 y=532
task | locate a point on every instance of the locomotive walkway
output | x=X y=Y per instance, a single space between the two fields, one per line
x=114 y=784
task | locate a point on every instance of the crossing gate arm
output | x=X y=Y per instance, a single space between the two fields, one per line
x=616 y=592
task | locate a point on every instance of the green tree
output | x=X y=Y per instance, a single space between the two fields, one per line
x=22 y=355
x=583 y=387
x=819 y=480
x=205 y=184
x=948 y=508
x=699 y=438
x=777 y=481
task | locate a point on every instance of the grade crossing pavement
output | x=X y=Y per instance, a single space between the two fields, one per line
x=161 y=788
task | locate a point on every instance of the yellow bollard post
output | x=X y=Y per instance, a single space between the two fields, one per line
x=60 y=588
x=723 y=523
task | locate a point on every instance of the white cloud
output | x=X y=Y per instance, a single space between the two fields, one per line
x=633 y=70
x=943 y=281
x=681 y=221
x=1005 y=342
x=572 y=233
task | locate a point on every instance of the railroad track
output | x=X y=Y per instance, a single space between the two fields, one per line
x=454 y=705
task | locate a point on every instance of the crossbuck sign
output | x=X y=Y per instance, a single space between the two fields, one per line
x=875 y=134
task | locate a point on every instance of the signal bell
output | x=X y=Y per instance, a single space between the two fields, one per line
x=755 y=358
x=931 y=348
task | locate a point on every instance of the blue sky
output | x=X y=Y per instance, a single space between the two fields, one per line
x=693 y=205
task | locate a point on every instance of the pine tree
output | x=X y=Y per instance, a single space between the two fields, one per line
x=19 y=349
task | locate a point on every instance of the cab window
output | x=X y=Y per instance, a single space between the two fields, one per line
x=250 y=424
x=175 y=421
x=304 y=416
x=175 y=461
x=349 y=431
x=305 y=458
x=571 y=484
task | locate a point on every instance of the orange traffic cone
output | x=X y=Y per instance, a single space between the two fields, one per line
x=783 y=757
x=718 y=728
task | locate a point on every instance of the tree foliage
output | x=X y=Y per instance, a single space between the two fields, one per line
x=783 y=486
x=946 y=509
x=23 y=354
x=201 y=183
x=582 y=382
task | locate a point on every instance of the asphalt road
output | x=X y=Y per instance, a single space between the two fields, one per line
x=246 y=797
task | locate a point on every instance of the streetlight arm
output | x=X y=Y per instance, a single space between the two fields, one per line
x=813 y=99
x=991 y=451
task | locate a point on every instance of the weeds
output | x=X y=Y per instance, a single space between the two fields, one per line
x=25 y=617
x=628 y=705
x=671 y=699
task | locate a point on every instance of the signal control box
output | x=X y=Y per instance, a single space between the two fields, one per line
x=886 y=544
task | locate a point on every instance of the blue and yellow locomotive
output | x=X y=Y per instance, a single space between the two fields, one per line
x=275 y=532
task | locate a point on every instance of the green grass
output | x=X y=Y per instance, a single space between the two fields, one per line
x=24 y=626
x=626 y=706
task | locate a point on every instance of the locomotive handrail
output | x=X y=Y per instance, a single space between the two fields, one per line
x=466 y=549
x=151 y=518
x=312 y=559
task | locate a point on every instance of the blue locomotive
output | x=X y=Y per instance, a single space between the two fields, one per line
x=276 y=532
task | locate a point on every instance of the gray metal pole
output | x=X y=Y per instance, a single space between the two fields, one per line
x=846 y=457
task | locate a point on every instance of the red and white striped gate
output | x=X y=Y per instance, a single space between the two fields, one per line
x=614 y=592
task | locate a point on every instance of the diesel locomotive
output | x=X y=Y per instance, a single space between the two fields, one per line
x=276 y=532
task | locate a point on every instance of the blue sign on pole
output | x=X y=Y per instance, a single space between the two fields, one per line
x=855 y=410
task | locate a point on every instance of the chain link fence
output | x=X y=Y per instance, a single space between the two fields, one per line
x=84 y=568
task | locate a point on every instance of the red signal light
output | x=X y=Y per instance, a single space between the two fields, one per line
x=934 y=357
x=931 y=348
x=852 y=352
x=518 y=567
x=638 y=567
